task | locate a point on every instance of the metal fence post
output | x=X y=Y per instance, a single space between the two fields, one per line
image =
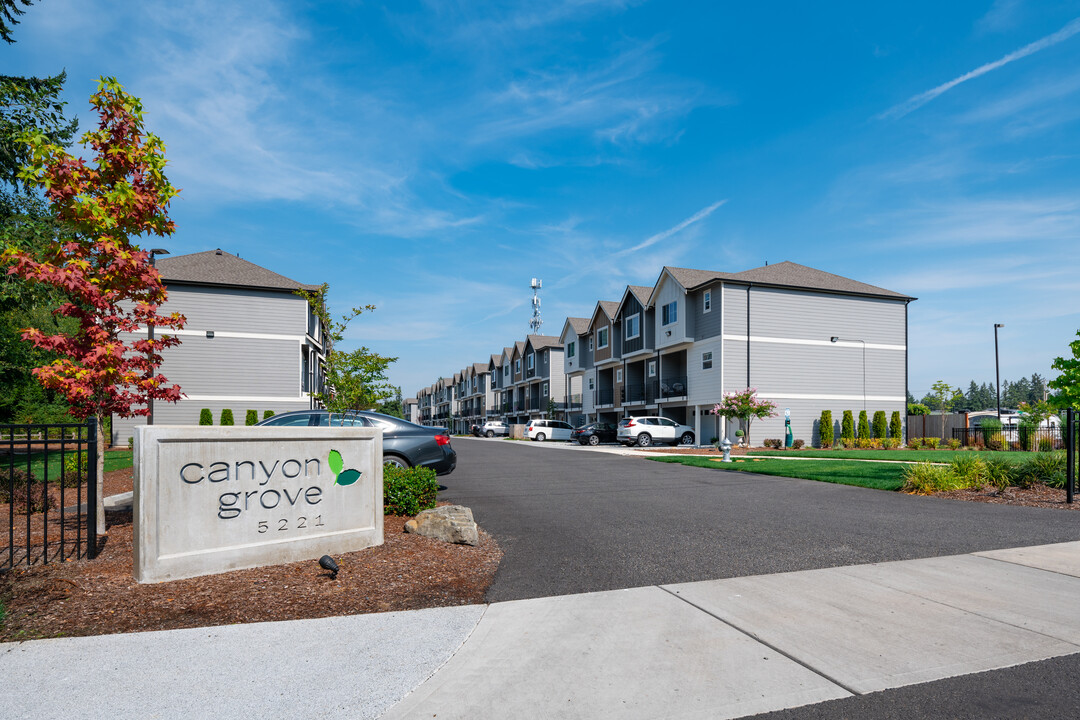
x=91 y=488
x=1070 y=454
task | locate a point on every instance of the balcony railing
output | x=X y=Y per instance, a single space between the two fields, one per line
x=573 y=402
x=605 y=396
x=642 y=393
x=673 y=386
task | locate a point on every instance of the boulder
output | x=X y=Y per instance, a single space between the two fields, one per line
x=450 y=523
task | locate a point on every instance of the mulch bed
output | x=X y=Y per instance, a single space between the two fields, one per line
x=1034 y=496
x=100 y=596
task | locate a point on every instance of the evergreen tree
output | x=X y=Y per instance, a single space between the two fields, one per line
x=864 y=426
x=847 y=426
x=879 y=424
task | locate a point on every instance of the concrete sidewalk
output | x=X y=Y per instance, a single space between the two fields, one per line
x=715 y=649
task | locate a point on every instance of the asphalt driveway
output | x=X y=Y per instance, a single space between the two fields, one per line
x=572 y=521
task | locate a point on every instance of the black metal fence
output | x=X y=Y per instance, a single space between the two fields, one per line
x=49 y=487
x=1072 y=431
x=1012 y=437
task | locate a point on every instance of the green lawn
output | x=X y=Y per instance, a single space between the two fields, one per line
x=114 y=460
x=905 y=455
x=879 y=476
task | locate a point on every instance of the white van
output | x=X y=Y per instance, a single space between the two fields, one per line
x=541 y=430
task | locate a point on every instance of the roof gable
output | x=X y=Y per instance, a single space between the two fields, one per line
x=215 y=267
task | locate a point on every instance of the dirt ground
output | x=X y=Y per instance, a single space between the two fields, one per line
x=100 y=596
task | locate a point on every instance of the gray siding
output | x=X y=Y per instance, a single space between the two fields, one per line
x=239 y=310
x=706 y=324
x=632 y=307
x=234 y=366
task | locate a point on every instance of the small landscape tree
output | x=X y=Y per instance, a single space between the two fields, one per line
x=251 y=417
x=744 y=406
x=847 y=426
x=945 y=396
x=880 y=426
x=226 y=418
x=825 y=429
x=1067 y=384
x=917 y=409
x=206 y=417
x=111 y=289
x=864 y=426
x=268 y=414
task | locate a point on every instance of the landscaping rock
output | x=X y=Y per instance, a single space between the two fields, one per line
x=450 y=523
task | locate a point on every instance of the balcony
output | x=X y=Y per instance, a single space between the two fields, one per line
x=605 y=396
x=573 y=402
x=673 y=387
x=642 y=393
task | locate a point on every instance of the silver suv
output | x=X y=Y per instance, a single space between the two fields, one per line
x=495 y=427
x=644 y=431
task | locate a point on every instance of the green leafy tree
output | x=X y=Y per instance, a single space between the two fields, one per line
x=945 y=397
x=847 y=426
x=744 y=406
x=864 y=426
x=880 y=426
x=896 y=428
x=226 y=418
x=355 y=380
x=825 y=429
x=251 y=417
x=1067 y=384
x=9 y=16
x=917 y=409
x=395 y=406
x=206 y=417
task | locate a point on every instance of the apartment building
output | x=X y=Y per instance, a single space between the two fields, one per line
x=808 y=340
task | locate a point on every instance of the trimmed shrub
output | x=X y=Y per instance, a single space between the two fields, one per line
x=1047 y=468
x=407 y=491
x=1000 y=472
x=954 y=444
x=931 y=443
x=226 y=418
x=879 y=424
x=969 y=469
x=27 y=500
x=926 y=479
x=847 y=427
x=798 y=444
x=914 y=443
x=775 y=443
x=825 y=429
x=890 y=443
x=206 y=417
x=864 y=443
x=896 y=428
x=864 y=426
x=847 y=443
x=267 y=414
x=251 y=417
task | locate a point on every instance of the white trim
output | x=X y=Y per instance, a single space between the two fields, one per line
x=706 y=302
x=811 y=396
x=245 y=398
x=636 y=335
x=607 y=331
x=226 y=333
x=798 y=341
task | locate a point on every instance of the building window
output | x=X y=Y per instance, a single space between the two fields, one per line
x=633 y=327
x=618 y=375
x=570 y=349
x=506 y=371
x=707 y=301
x=544 y=389
x=590 y=383
x=517 y=366
x=602 y=338
x=670 y=312
x=532 y=362
x=652 y=368
x=590 y=343
x=706 y=361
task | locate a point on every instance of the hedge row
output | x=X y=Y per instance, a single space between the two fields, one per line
x=251 y=418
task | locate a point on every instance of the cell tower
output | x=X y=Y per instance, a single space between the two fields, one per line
x=536 y=322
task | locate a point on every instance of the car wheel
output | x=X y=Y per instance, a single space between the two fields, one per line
x=687 y=438
x=395 y=461
x=594 y=440
x=541 y=437
x=644 y=440
x=491 y=433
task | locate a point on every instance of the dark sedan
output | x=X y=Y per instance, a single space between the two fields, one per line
x=594 y=433
x=405 y=444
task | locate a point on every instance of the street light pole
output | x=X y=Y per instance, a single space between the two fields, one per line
x=997 y=370
x=837 y=339
x=150 y=336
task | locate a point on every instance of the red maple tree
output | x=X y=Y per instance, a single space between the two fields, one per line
x=110 y=285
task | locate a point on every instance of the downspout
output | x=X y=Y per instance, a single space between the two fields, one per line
x=748 y=335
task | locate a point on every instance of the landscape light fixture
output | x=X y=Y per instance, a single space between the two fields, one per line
x=835 y=339
x=150 y=334
x=997 y=370
x=327 y=563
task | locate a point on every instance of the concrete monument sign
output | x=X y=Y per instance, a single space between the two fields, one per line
x=214 y=499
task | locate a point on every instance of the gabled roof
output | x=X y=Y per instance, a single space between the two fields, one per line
x=789 y=274
x=640 y=292
x=608 y=307
x=496 y=360
x=479 y=368
x=215 y=267
x=519 y=347
x=539 y=342
x=580 y=325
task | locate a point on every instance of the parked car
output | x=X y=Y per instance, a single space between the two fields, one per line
x=541 y=430
x=595 y=433
x=644 y=431
x=493 y=428
x=405 y=444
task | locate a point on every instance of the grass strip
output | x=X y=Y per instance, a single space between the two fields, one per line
x=114 y=460
x=905 y=455
x=878 y=476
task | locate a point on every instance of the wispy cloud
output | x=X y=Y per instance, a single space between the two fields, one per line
x=674 y=230
x=1041 y=222
x=1001 y=16
x=917 y=101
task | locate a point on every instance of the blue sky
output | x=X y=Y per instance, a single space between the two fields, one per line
x=432 y=157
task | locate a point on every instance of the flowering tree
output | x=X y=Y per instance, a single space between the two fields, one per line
x=745 y=406
x=110 y=286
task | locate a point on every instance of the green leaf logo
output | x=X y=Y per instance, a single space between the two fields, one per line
x=337 y=465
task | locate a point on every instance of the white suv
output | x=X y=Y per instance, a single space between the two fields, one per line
x=644 y=431
x=541 y=430
x=495 y=427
